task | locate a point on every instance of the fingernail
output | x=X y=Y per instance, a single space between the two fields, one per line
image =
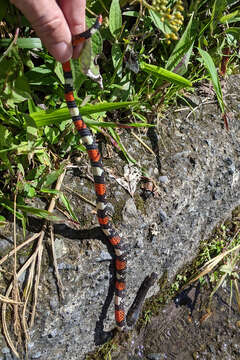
x=61 y=51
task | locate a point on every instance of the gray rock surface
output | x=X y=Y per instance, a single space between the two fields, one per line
x=198 y=186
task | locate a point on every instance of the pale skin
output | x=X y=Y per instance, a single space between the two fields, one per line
x=55 y=22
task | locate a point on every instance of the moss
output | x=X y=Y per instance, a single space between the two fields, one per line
x=140 y=204
x=118 y=206
x=103 y=352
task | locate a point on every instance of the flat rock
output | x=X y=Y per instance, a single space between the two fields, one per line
x=199 y=162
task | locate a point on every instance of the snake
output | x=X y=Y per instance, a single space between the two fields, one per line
x=101 y=199
x=99 y=182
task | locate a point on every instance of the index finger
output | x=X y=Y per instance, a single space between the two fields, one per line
x=50 y=24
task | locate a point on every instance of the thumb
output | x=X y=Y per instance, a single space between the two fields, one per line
x=50 y=25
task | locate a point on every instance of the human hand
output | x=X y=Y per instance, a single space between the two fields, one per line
x=55 y=23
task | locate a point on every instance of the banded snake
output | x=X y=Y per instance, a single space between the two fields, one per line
x=100 y=189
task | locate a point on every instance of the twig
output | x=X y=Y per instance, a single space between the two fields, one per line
x=15 y=292
x=79 y=195
x=12 y=252
x=59 y=281
x=143 y=143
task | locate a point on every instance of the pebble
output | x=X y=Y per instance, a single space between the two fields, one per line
x=162 y=215
x=163 y=179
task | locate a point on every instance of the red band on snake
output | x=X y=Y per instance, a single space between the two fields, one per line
x=99 y=181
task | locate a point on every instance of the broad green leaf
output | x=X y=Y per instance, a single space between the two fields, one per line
x=209 y=64
x=21 y=169
x=6 y=137
x=156 y=18
x=29 y=190
x=86 y=66
x=165 y=74
x=115 y=18
x=179 y=59
x=32 y=132
x=43 y=118
x=229 y=18
x=23 y=43
x=96 y=39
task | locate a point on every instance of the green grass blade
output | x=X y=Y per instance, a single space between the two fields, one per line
x=209 y=65
x=43 y=118
x=165 y=74
x=229 y=18
x=23 y=43
x=8 y=204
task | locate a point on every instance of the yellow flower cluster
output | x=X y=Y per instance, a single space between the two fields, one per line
x=170 y=16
